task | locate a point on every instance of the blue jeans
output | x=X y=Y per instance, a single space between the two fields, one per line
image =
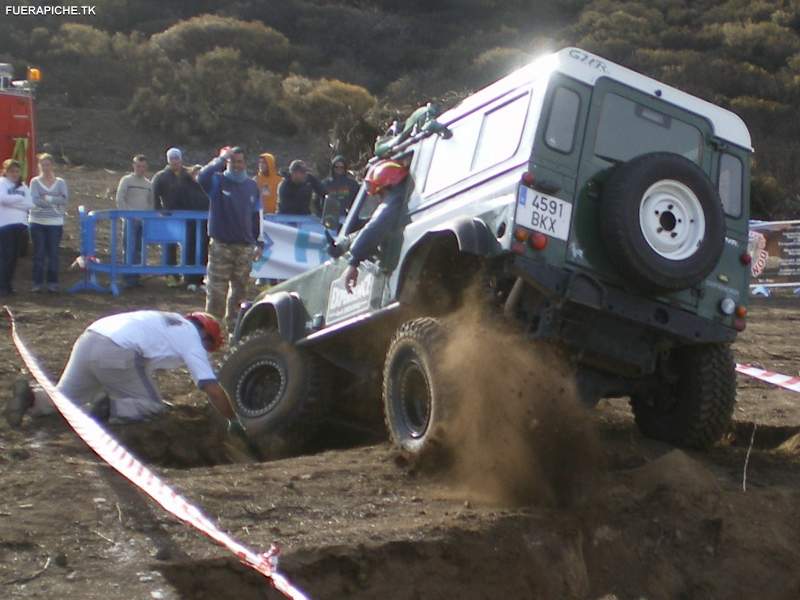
x=46 y=240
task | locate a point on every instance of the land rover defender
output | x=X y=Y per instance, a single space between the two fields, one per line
x=603 y=210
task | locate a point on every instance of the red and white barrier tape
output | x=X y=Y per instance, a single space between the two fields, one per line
x=785 y=381
x=123 y=461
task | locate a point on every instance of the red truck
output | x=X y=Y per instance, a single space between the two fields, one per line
x=17 y=120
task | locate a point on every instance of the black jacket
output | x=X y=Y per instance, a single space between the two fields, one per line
x=296 y=198
x=177 y=192
x=344 y=187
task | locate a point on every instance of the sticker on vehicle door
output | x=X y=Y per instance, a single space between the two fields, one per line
x=342 y=305
x=544 y=213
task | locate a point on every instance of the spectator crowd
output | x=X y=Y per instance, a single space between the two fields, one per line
x=32 y=217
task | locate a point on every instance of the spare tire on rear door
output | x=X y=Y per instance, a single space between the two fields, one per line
x=662 y=222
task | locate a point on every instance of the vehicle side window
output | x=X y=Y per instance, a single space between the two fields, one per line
x=452 y=157
x=730 y=184
x=628 y=129
x=501 y=132
x=563 y=120
x=478 y=143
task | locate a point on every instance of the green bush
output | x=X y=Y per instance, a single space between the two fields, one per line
x=209 y=96
x=317 y=104
x=766 y=44
x=74 y=40
x=768 y=200
x=256 y=43
x=499 y=62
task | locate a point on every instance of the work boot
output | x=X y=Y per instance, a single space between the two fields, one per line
x=20 y=402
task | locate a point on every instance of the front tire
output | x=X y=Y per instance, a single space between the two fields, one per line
x=414 y=393
x=694 y=409
x=276 y=390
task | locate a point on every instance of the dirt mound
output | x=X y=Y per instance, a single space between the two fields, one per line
x=518 y=434
x=678 y=472
x=185 y=438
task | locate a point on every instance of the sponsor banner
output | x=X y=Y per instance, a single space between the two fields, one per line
x=774 y=247
x=785 y=381
x=293 y=244
x=343 y=305
x=118 y=457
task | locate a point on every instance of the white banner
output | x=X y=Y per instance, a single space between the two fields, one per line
x=290 y=247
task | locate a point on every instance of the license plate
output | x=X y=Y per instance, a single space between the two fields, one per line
x=544 y=213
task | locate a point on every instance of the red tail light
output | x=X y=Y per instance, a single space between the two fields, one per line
x=746 y=259
x=739 y=324
x=538 y=241
x=528 y=178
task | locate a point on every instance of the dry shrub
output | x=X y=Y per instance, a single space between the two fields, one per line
x=75 y=40
x=499 y=62
x=318 y=104
x=207 y=96
x=256 y=43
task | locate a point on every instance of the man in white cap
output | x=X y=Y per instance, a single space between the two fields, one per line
x=173 y=189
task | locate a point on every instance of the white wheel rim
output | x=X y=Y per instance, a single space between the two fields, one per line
x=671 y=219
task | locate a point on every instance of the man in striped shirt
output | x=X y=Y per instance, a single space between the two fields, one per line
x=135 y=192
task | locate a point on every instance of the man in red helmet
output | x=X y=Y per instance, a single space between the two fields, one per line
x=110 y=370
x=383 y=180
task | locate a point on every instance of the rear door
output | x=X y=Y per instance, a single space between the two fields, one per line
x=624 y=123
x=547 y=206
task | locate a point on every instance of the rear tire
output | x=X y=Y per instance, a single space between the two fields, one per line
x=276 y=390
x=414 y=394
x=695 y=409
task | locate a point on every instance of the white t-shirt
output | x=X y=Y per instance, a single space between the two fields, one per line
x=167 y=340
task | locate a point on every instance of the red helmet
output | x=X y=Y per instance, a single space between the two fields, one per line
x=211 y=328
x=384 y=174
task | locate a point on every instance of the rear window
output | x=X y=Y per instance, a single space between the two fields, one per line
x=629 y=129
x=730 y=184
x=563 y=120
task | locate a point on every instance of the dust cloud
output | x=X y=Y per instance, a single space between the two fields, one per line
x=516 y=433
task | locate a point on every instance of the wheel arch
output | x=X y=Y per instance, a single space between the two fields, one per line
x=282 y=311
x=465 y=236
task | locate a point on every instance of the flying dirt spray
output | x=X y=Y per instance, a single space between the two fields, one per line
x=516 y=433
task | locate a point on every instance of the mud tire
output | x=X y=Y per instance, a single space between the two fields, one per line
x=277 y=392
x=414 y=389
x=701 y=402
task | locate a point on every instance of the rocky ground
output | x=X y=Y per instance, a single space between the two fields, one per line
x=651 y=522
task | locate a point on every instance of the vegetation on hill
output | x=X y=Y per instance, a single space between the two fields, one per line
x=331 y=67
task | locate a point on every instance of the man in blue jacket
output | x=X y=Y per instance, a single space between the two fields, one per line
x=233 y=227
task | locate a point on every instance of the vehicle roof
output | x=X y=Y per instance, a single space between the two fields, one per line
x=589 y=68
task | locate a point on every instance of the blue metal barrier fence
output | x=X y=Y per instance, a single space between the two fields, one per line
x=142 y=231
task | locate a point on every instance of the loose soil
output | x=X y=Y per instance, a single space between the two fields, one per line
x=358 y=523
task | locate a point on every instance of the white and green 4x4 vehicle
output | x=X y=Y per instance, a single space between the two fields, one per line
x=608 y=213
